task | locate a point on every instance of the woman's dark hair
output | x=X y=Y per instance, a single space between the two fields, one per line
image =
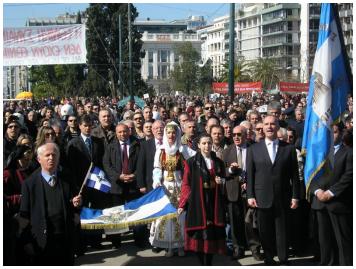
x=202 y=136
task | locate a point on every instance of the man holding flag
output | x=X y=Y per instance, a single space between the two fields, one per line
x=328 y=165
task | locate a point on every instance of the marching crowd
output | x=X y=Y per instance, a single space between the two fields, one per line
x=233 y=169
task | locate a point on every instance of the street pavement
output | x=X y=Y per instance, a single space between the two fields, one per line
x=130 y=255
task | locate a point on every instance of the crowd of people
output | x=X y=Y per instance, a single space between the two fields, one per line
x=233 y=169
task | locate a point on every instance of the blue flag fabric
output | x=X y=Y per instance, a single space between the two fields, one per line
x=97 y=180
x=328 y=89
x=145 y=209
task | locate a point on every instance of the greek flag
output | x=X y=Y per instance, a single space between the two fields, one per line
x=328 y=89
x=97 y=180
x=146 y=209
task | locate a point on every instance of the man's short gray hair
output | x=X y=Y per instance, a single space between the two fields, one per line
x=41 y=148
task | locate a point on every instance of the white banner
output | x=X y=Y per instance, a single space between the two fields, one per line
x=41 y=45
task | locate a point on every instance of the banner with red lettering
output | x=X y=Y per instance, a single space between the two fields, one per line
x=239 y=87
x=293 y=87
x=42 y=45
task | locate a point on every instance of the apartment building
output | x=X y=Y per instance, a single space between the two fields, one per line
x=160 y=39
x=214 y=43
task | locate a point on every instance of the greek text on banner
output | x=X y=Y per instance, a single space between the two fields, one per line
x=239 y=87
x=42 y=45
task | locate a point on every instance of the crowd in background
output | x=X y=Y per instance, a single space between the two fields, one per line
x=160 y=144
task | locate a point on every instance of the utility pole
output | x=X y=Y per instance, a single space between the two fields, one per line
x=231 y=52
x=121 y=88
x=130 y=53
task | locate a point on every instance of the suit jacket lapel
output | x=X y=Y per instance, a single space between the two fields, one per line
x=264 y=151
x=132 y=147
x=152 y=145
x=84 y=147
x=40 y=193
x=279 y=151
x=118 y=152
x=233 y=154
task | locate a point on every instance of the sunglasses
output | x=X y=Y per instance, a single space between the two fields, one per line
x=259 y=129
x=138 y=119
x=237 y=134
x=209 y=108
x=49 y=134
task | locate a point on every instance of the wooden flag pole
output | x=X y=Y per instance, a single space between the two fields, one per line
x=86 y=179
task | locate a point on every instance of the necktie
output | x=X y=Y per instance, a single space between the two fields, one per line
x=125 y=160
x=88 y=144
x=52 y=181
x=239 y=157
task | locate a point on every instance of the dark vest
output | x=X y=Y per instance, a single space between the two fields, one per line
x=54 y=208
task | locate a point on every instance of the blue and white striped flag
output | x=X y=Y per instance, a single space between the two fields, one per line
x=146 y=209
x=97 y=180
x=328 y=89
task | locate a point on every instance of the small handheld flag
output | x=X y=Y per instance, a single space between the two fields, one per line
x=97 y=180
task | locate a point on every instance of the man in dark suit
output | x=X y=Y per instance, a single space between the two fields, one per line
x=146 y=157
x=332 y=200
x=272 y=187
x=235 y=160
x=47 y=205
x=120 y=164
x=81 y=152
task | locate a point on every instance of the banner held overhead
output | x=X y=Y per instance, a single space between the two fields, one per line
x=43 y=45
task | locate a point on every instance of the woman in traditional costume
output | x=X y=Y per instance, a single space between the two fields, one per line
x=202 y=199
x=169 y=165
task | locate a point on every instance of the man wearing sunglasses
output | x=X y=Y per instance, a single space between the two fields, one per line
x=241 y=233
x=209 y=111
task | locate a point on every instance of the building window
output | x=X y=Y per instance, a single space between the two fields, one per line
x=163 y=56
x=150 y=56
x=164 y=74
x=150 y=71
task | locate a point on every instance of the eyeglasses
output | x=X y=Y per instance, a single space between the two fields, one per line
x=138 y=119
x=259 y=129
x=237 y=134
x=49 y=134
x=72 y=120
x=12 y=127
x=209 y=108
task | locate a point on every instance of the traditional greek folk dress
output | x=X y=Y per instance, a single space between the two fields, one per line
x=203 y=201
x=168 y=170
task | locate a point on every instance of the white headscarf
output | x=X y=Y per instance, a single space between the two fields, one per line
x=171 y=150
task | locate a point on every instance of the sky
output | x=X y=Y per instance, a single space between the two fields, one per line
x=16 y=14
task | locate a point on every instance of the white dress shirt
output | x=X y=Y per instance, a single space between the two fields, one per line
x=270 y=144
x=127 y=147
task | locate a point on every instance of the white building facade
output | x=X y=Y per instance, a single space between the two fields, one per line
x=160 y=39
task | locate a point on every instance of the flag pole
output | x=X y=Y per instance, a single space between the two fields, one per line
x=85 y=179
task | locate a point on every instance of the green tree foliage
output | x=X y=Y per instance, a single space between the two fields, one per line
x=102 y=76
x=264 y=69
x=185 y=73
x=205 y=78
x=103 y=50
x=241 y=71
